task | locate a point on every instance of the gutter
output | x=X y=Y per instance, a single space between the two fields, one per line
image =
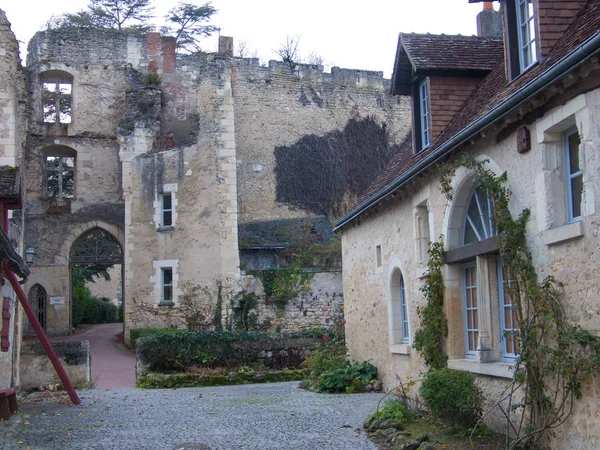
x=559 y=69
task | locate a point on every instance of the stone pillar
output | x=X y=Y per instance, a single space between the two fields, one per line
x=226 y=45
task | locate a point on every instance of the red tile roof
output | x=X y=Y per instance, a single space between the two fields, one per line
x=491 y=94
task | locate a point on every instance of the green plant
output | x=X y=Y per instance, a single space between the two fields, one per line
x=354 y=376
x=283 y=284
x=330 y=353
x=555 y=356
x=218 y=319
x=242 y=303
x=434 y=325
x=453 y=394
x=394 y=410
x=137 y=333
x=152 y=80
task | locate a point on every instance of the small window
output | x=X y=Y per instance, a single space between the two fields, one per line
x=167 y=209
x=424 y=114
x=167 y=285
x=378 y=255
x=471 y=307
x=526 y=33
x=573 y=175
x=404 y=313
x=60 y=176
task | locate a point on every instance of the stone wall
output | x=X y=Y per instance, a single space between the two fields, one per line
x=566 y=251
x=316 y=308
x=276 y=108
x=37 y=371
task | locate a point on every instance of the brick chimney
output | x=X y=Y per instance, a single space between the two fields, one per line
x=489 y=22
x=226 y=45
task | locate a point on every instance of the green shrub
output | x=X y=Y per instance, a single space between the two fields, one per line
x=394 y=410
x=347 y=379
x=176 y=351
x=453 y=394
x=330 y=353
x=137 y=333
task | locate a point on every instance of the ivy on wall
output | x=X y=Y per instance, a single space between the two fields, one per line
x=325 y=174
x=555 y=355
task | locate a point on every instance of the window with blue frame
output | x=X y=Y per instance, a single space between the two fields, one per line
x=424 y=114
x=403 y=313
x=526 y=31
x=573 y=174
x=471 y=307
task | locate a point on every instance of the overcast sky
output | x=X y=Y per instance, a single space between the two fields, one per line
x=346 y=33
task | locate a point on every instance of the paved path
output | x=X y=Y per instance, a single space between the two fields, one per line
x=113 y=366
x=254 y=417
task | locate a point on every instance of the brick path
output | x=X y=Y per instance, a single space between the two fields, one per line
x=113 y=366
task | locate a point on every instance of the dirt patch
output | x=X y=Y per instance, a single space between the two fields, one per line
x=437 y=433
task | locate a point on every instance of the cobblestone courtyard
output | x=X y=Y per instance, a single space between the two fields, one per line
x=269 y=416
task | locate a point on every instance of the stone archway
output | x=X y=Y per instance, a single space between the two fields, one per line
x=97 y=250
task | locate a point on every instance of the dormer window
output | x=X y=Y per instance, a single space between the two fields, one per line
x=526 y=33
x=522 y=36
x=424 y=114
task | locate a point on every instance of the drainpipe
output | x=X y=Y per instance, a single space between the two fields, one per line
x=64 y=378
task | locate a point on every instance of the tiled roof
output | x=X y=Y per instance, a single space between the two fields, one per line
x=448 y=53
x=9 y=182
x=431 y=51
x=491 y=94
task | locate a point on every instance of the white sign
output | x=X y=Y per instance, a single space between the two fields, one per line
x=57 y=300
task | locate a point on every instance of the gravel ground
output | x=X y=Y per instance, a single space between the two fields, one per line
x=264 y=416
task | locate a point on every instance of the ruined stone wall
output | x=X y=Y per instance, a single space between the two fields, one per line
x=13 y=123
x=568 y=251
x=316 y=308
x=277 y=108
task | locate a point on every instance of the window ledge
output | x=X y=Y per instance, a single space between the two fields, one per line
x=163 y=304
x=564 y=233
x=163 y=229
x=493 y=369
x=400 y=349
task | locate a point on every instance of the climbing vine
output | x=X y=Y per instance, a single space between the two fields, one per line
x=282 y=285
x=555 y=356
x=434 y=325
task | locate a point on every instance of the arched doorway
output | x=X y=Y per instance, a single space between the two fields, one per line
x=95 y=259
x=37 y=299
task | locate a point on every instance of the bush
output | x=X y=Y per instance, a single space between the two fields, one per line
x=330 y=353
x=351 y=378
x=137 y=333
x=394 y=410
x=176 y=351
x=453 y=394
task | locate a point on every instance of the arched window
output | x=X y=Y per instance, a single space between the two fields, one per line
x=479 y=223
x=399 y=323
x=37 y=300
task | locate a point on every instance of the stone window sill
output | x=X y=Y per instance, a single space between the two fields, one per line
x=400 y=349
x=422 y=272
x=168 y=304
x=163 y=229
x=493 y=369
x=564 y=233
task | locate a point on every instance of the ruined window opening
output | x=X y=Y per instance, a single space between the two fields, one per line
x=57 y=98
x=167 y=284
x=167 y=209
x=60 y=176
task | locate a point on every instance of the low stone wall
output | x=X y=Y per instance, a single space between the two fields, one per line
x=37 y=370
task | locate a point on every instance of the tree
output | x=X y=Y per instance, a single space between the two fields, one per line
x=288 y=52
x=189 y=24
x=118 y=13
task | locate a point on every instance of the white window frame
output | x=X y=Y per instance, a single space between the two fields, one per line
x=159 y=207
x=166 y=210
x=570 y=175
x=488 y=227
x=470 y=352
x=424 y=114
x=526 y=26
x=157 y=279
x=405 y=335
x=506 y=328
x=165 y=284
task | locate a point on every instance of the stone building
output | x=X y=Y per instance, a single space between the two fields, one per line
x=146 y=159
x=531 y=108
